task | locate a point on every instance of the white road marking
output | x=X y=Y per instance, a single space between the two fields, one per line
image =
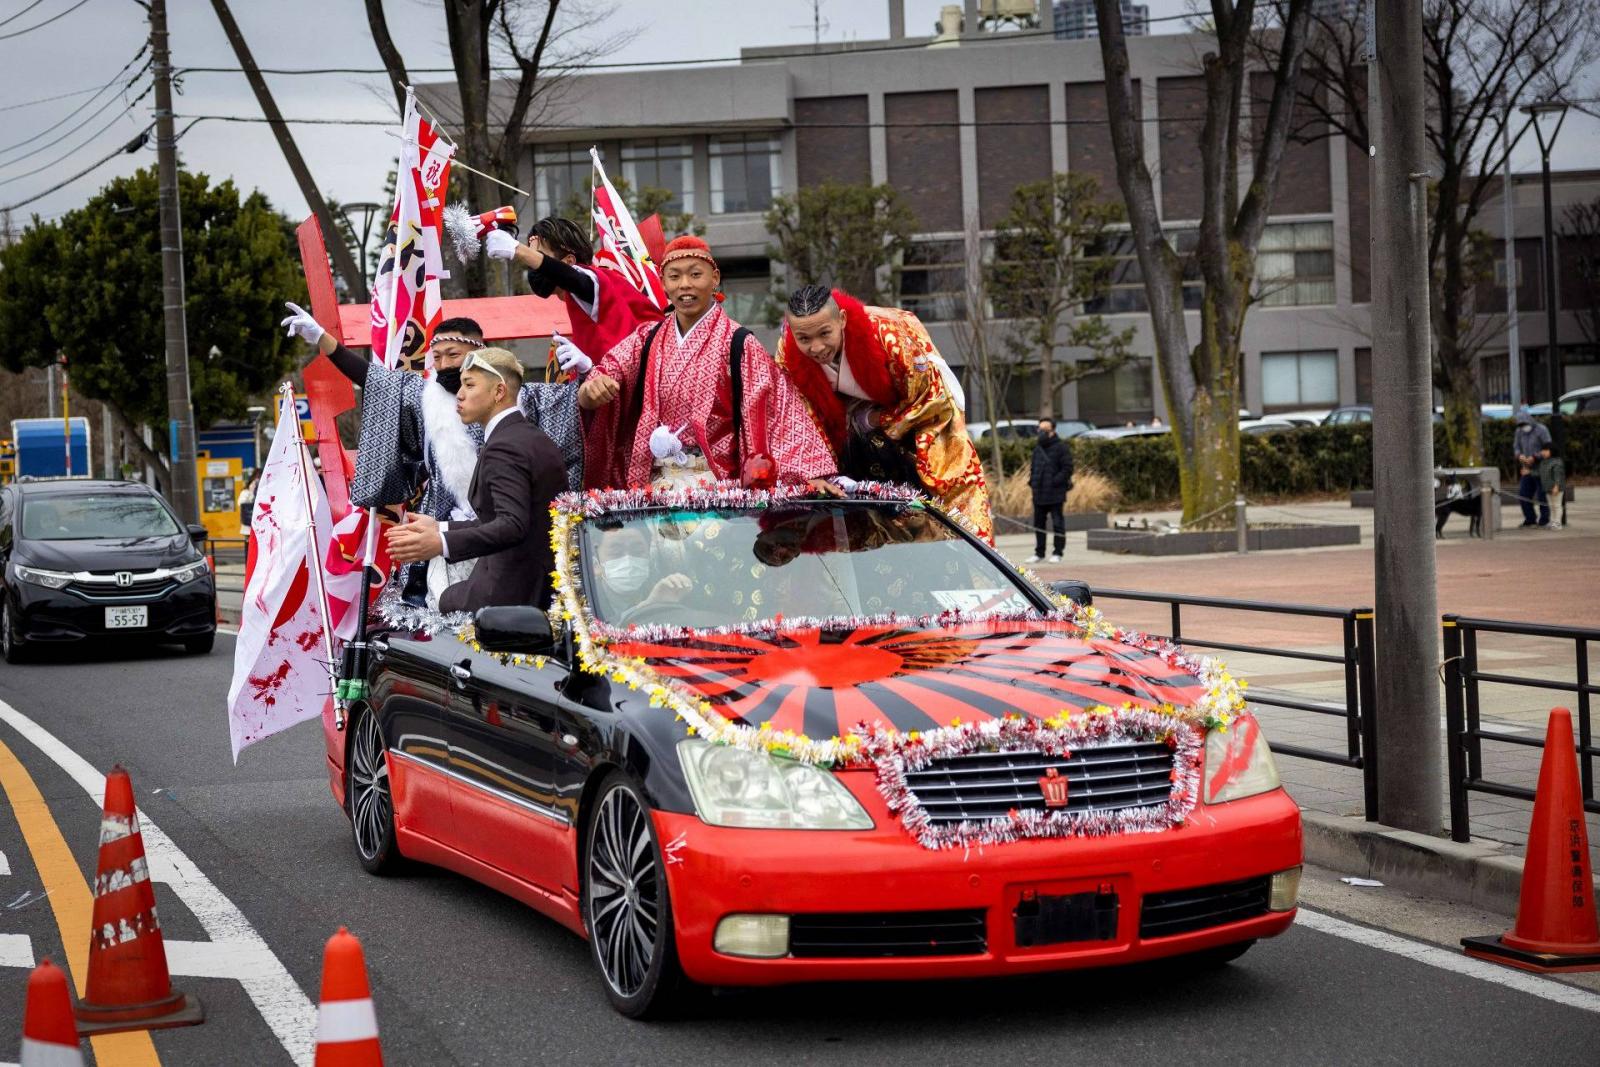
x=5 y=865
x=235 y=950
x=16 y=950
x=1451 y=960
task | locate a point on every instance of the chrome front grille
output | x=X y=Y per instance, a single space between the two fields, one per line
x=990 y=785
x=104 y=588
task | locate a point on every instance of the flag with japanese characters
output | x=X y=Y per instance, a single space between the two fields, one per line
x=283 y=657
x=407 y=305
x=621 y=245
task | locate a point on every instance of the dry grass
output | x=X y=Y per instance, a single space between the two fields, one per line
x=1090 y=492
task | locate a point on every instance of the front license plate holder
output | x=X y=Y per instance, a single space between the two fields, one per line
x=1048 y=919
x=128 y=617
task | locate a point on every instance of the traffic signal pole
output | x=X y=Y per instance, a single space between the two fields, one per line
x=182 y=492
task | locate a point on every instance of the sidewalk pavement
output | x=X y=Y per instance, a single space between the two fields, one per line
x=1528 y=575
x=1536 y=575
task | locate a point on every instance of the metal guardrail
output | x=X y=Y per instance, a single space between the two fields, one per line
x=1464 y=732
x=1356 y=659
x=216 y=546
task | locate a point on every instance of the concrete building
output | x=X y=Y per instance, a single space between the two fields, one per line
x=956 y=124
x=1076 y=19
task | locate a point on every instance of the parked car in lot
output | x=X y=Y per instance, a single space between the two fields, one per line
x=1271 y=424
x=1301 y=418
x=1026 y=429
x=1351 y=414
x=88 y=559
x=1585 y=401
x=855 y=744
x=1111 y=433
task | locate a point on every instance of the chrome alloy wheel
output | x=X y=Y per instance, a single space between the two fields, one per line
x=371 y=809
x=624 y=889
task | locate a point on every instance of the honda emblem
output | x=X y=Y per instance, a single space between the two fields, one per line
x=1054 y=788
x=124 y=579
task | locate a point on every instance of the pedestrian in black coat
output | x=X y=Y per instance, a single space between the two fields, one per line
x=1050 y=477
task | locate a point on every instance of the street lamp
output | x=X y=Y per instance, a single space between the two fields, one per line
x=1552 y=113
x=368 y=211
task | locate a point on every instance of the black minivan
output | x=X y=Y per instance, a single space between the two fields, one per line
x=100 y=559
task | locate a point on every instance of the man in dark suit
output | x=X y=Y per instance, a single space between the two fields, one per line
x=519 y=473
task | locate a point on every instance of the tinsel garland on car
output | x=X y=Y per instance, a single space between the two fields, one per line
x=890 y=752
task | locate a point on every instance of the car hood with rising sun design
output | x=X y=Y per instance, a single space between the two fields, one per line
x=822 y=683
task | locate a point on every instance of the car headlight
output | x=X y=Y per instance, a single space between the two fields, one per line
x=34 y=576
x=193 y=572
x=1238 y=762
x=734 y=787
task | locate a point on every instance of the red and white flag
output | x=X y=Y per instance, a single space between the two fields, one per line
x=407 y=305
x=283 y=659
x=621 y=246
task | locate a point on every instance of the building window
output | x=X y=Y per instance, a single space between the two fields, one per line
x=1295 y=264
x=665 y=165
x=1292 y=380
x=1114 y=397
x=1125 y=282
x=561 y=173
x=933 y=280
x=1363 y=376
x=747 y=289
x=744 y=173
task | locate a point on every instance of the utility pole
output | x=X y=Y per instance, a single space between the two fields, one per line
x=1513 y=278
x=1407 y=615
x=182 y=491
x=343 y=260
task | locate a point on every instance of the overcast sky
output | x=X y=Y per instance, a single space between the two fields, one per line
x=93 y=39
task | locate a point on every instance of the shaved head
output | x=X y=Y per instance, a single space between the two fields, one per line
x=817 y=322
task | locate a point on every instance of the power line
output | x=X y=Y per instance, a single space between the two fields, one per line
x=134 y=145
x=918 y=45
x=115 y=78
x=118 y=117
x=40 y=25
x=52 y=99
x=12 y=18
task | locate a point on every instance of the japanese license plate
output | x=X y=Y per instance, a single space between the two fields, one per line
x=132 y=617
x=1054 y=920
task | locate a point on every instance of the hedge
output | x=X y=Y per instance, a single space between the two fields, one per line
x=1304 y=461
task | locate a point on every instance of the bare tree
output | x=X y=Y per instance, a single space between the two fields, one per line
x=1049 y=259
x=1484 y=57
x=1582 y=232
x=538 y=50
x=977 y=338
x=1202 y=380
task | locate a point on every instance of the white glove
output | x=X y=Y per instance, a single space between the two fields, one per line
x=845 y=482
x=666 y=447
x=570 y=356
x=302 y=325
x=500 y=244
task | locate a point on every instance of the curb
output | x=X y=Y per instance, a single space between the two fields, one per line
x=1483 y=874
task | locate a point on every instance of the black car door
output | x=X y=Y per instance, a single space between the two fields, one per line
x=501 y=722
x=409 y=692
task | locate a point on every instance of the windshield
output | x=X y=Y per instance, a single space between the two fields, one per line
x=724 y=568
x=86 y=518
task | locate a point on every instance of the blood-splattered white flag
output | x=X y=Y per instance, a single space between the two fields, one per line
x=621 y=246
x=282 y=672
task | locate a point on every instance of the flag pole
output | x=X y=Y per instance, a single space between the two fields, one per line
x=314 y=561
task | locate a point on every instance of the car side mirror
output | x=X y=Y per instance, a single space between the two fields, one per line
x=1073 y=590
x=519 y=629
x=198 y=533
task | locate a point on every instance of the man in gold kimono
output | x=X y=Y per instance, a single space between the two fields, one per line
x=883 y=398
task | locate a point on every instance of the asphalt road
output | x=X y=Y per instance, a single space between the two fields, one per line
x=463 y=975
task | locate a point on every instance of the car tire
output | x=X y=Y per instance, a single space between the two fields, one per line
x=624 y=901
x=200 y=646
x=368 y=799
x=12 y=647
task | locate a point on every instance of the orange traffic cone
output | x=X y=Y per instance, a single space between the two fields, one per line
x=347 y=1027
x=48 y=1037
x=1557 y=928
x=129 y=987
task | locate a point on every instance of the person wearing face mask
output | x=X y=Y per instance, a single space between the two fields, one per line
x=622 y=571
x=1050 y=479
x=883 y=397
x=416 y=451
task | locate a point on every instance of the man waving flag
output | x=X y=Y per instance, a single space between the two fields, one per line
x=621 y=245
x=283 y=659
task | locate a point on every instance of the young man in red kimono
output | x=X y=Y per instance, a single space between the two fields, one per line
x=662 y=405
x=877 y=389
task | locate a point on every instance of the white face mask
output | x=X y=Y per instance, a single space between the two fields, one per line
x=626 y=574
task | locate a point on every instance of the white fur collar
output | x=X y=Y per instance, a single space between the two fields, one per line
x=454 y=453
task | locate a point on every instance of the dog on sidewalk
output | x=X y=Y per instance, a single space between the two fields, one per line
x=1456 y=497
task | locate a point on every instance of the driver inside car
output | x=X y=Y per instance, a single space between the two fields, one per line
x=623 y=570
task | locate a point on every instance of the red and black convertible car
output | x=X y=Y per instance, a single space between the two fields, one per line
x=762 y=738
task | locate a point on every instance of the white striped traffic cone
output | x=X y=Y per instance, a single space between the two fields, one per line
x=347 y=1027
x=49 y=1035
